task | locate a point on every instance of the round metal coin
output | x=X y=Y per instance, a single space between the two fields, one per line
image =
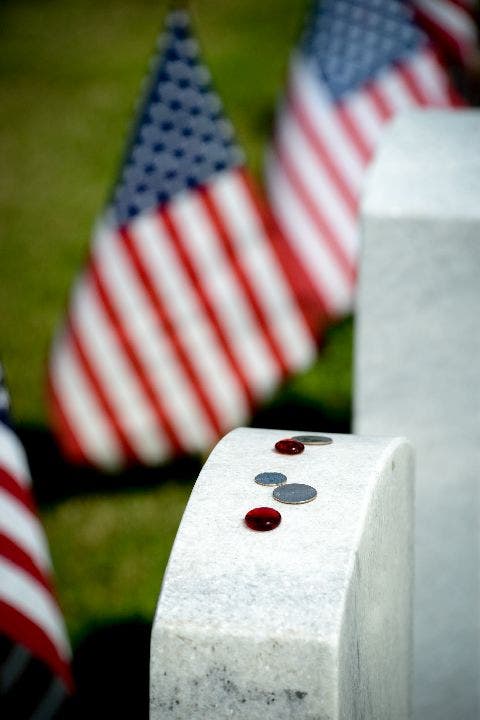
x=294 y=493
x=313 y=439
x=271 y=478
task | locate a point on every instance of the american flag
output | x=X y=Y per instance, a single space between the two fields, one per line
x=191 y=308
x=451 y=27
x=360 y=62
x=34 y=651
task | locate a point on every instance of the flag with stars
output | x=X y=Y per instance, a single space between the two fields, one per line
x=35 y=677
x=359 y=63
x=190 y=310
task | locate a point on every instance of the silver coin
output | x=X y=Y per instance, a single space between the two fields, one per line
x=313 y=439
x=271 y=478
x=294 y=493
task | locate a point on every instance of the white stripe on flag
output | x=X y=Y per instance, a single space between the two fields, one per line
x=452 y=19
x=189 y=319
x=430 y=78
x=231 y=307
x=322 y=190
x=152 y=344
x=311 y=95
x=313 y=254
x=118 y=382
x=395 y=92
x=22 y=592
x=24 y=529
x=365 y=117
x=89 y=424
x=13 y=457
x=263 y=270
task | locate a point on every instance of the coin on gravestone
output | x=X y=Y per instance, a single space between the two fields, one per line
x=313 y=439
x=271 y=478
x=294 y=493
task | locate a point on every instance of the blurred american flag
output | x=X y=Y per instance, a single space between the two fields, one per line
x=34 y=650
x=360 y=62
x=191 y=309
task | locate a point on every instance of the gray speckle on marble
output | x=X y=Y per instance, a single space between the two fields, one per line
x=417 y=373
x=310 y=622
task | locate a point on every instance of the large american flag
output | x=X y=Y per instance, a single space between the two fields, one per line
x=34 y=651
x=360 y=62
x=191 y=308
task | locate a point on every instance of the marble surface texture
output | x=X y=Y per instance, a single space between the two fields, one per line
x=310 y=621
x=417 y=373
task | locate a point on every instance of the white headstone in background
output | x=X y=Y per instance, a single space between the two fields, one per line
x=310 y=620
x=418 y=373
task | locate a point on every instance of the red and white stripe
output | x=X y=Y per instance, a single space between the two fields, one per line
x=29 y=613
x=181 y=323
x=451 y=26
x=316 y=167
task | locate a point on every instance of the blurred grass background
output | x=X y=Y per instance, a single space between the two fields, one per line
x=70 y=74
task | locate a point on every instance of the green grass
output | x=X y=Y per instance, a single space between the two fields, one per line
x=70 y=73
x=110 y=552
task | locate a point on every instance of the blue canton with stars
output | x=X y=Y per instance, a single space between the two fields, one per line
x=348 y=42
x=181 y=138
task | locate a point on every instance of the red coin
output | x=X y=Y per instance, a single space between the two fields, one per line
x=289 y=447
x=263 y=518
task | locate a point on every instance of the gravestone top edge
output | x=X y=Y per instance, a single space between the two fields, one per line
x=272 y=625
x=360 y=459
x=427 y=165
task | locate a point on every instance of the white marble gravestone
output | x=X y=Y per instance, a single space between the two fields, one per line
x=418 y=373
x=309 y=621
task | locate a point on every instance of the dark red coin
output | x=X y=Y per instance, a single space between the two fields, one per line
x=289 y=447
x=263 y=518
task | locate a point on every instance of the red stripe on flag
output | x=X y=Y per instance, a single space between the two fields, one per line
x=350 y=128
x=22 y=630
x=329 y=237
x=21 y=559
x=13 y=488
x=99 y=392
x=311 y=303
x=383 y=109
x=322 y=152
x=131 y=356
x=61 y=426
x=214 y=215
x=412 y=86
x=171 y=331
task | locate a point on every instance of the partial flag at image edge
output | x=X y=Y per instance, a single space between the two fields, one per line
x=35 y=675
x=358 y=65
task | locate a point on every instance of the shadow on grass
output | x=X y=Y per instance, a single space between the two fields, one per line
x=289 y=414
x=111 y=672
x=56 y=480
x=317 y=400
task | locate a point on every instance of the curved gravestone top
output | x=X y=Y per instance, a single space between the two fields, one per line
x=309 y=620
